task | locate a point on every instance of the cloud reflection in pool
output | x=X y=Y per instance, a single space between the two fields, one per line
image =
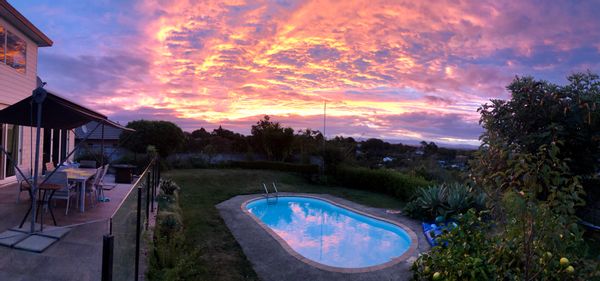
x=331 y=235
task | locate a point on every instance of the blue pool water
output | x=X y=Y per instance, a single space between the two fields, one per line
x=331 y=235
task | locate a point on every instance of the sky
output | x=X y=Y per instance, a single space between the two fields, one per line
x=396 y=70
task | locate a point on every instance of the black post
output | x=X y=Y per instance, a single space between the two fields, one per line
x=108 y=243
x=138 y=233
x=148 y=188
x=154 y=186
x=39 y=95
x=102 y=149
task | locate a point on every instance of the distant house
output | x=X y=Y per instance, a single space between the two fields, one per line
x=19 y=43
x=94 y=142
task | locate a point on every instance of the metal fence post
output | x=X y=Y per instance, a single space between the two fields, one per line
x=107 y=256
x=154 y=185
x=138 y=233
x=148 y=187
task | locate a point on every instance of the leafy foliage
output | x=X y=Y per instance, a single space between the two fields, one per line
x=276 y=166
x=272 y=138
x=168 y=186
x=473 y=251
x=92 y=155
x=165 y=136
x=444 y=200
x=379 y=180
x=172 y=259
x=541 y=113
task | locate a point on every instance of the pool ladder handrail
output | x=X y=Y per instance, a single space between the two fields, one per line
x=267 y=192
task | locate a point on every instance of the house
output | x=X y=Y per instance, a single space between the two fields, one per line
x=19 y=43
x=95 y=141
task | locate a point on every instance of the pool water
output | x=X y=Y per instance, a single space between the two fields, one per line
x=329 y=234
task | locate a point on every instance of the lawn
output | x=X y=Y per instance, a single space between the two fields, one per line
x=221 y=256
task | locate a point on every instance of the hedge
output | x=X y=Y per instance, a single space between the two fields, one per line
x=278 y=166
x=380 y=180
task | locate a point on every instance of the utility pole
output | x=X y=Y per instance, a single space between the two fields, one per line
x=324 y=118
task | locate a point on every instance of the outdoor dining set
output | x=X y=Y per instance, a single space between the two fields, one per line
x=79 y=180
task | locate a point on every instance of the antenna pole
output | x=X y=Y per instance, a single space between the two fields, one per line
x=324 y=118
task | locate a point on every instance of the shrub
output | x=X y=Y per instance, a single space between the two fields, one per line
x=380 y=180
x=92 y=155
x=172 y=259
x=187 y=161
x=529 y=247
x=169 y=224
x=140 y=161
x=168 y=186
x=444 y=200
x=278 y=166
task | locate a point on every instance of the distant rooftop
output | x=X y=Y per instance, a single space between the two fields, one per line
x=110 y=132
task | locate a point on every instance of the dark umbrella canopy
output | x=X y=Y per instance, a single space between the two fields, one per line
x=57 y=113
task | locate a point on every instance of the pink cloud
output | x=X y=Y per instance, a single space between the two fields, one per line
x=376 y=63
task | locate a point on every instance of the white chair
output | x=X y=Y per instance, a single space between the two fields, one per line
x=101 y=183
x=66 y=191
x=22 y=181
x=92 y=186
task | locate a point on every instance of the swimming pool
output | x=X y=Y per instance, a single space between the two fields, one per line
x=330 y=235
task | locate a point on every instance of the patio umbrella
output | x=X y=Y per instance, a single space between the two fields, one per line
x=47 y=110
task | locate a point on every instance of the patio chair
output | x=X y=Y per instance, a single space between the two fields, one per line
x=22 y=181
x=92 y=186
x=87 y=164
x=101 y=183
x=66 y=189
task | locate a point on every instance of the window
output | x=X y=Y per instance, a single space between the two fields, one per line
x=2 y=44
x=13 y=50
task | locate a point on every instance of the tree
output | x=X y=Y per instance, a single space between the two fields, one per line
x=272 y=139
x=164 y=135
x=429 y=148
x=541 y=113
x=228 y=141
x=308 y=142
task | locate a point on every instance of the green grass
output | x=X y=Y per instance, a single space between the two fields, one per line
x=221 y=257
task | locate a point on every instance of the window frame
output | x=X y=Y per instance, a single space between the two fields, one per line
x=3 y=42
x=4 y=48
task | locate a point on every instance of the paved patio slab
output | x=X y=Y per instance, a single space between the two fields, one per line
x=35 y=243
x=273 y=263
x=9 y=238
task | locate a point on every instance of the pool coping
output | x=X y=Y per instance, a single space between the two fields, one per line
x=414 y=243
x=271 y=262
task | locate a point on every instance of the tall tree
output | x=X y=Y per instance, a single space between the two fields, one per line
x=164 y=135
x=272 y=138
x=541 y=113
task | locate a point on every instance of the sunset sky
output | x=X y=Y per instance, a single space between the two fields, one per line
x=398 y=70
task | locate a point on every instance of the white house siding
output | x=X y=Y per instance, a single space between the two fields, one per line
x=15 y=86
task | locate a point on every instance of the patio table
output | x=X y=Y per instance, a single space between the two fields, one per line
x=79 y=176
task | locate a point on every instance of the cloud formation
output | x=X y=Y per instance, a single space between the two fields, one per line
x=387 y=69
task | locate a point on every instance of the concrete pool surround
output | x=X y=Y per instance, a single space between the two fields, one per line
x=275 y=261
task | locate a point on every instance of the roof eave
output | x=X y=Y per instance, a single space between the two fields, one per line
x=19 y=21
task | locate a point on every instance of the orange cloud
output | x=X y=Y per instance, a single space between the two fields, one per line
x=376 y=63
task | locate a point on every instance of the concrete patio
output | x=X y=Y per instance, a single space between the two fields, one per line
x=76 y=256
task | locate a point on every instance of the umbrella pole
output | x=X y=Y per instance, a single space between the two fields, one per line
x=36 y=167
x=39 y=95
